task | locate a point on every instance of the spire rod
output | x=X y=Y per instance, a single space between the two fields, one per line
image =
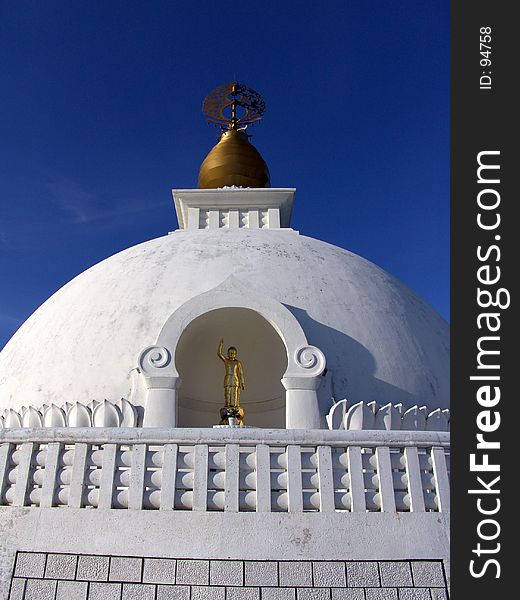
x=234 y=123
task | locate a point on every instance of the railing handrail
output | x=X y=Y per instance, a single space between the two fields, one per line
x=244 y=436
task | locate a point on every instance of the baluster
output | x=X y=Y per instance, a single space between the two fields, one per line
x=137 y=472
x=263 y=478
x=415 y=489
x=442 y=483
x=294 y=479
x=24 y=474
x=200 y=478
x=169 y=474
x=77 y=478
x=386 y=482
x=49 y=474
x=357 y=482
x=108 y=467
x=325 y=478
x=231 y=480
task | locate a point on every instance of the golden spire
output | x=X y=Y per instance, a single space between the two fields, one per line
x=234 y=160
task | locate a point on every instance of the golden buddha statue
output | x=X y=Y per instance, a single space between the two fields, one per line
x=233 y=383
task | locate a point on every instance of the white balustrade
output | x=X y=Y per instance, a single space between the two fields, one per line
x=234 y=470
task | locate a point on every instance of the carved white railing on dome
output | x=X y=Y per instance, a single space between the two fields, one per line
x=94 y=414
x=360 y=416
x=231 y=470
x=390 y=417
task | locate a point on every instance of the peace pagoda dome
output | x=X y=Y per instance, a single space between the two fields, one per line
x=311 y=461
x=235 y=269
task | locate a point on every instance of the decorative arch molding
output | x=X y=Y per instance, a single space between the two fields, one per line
x=305 y=363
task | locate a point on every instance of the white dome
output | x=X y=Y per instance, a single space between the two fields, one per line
x=381 y=341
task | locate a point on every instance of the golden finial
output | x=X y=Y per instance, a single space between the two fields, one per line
x=234 y=161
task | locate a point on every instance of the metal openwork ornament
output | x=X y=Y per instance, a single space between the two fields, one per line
x=233 y=106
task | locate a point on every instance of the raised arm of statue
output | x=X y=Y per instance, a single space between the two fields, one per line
x=220 y=352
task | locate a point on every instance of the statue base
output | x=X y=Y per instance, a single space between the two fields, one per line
x=235 y=426
x=232 y=415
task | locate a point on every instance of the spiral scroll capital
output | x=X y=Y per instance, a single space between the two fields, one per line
x=153 y=359
x=310 y=359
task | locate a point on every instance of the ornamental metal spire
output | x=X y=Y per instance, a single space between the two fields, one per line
x=234 y=161
x=233 y=106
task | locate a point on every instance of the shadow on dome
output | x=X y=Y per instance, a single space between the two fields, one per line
x=350 y=366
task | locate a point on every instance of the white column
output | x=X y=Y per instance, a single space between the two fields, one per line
x=301 y=402
x=162 y=381
x=301 y=380
x=161 y=405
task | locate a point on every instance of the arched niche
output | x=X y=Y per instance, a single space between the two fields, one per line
x=159 y=363
x=264 y=359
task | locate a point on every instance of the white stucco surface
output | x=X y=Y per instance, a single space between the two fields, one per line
x=170 y=534
x=380 y=340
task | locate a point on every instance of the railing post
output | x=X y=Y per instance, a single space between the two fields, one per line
x=77 y=479
x=200 y=477
x=442 y=484
x=169 y=473
x=137 y=472
x=357 y=483
x=49 y=474
x=386 y=481
x=108 y=467
x=413 y=472
x=5 y=464
x=325 y=478
x=263 y=478
x=294 y=478
x=231 y=500
x=24 y=474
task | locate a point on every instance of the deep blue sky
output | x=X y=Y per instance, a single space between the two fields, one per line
x=100 y=117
